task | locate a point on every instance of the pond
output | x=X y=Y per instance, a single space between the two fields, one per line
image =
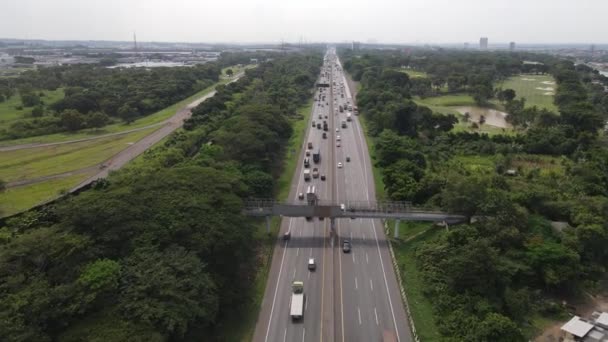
x=492 y=117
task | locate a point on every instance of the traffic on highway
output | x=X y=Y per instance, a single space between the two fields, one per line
x=332 y=284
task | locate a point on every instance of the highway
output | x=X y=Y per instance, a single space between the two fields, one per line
x=350 y=296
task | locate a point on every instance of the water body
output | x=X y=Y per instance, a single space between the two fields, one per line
x=493 y=117
x=148 y=65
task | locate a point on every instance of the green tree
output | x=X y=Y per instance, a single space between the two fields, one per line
x=128 y=113
x=168 y=289
x=72 y=120
x=229 y=72
x=97 y=120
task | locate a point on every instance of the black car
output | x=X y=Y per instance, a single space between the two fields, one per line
x=322 y=177
x=346 y=246
x=347 y=159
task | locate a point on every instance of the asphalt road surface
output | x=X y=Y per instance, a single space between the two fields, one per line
x=350 y=296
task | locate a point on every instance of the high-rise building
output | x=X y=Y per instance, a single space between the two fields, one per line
x=356 y=46
x=512 y=46
x=483 y=43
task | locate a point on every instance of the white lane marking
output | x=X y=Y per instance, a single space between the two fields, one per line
x=309 y=275
x=351 y=234
x=305 y=305
x=285 y=335
x=274 y=298
x=371 y=284
x=294 y=274
x=303 y=334
x=356 y=284
x=366 y=257
x=390 y=302
x=298 y=251
x=353 y=253
x=359 y=311
x=376 y=313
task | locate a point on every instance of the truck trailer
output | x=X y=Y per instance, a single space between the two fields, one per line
x=297 y=300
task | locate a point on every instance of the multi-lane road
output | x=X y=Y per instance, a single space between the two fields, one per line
x=350 y=296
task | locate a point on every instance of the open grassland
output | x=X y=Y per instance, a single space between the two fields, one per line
x=45 y=161
x=447 y=100
x=537 y=89
x=413 y=73
x=21 y=198
x=9 y=112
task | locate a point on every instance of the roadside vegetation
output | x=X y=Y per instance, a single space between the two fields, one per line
x=510 y=268
x=95 y=96
x=160 y=251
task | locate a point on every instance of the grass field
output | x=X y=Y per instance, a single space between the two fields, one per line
x=412 y=235
x=413 y=73
x=241 y=325
x=22 y=198
x=447 y=100
x=44 y=161
x=527 y=86
x=9 y=112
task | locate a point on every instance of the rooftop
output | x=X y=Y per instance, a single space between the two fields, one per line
x=577 y=327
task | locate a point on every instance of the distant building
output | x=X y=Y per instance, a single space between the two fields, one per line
x=483 y=43
x=592 y=49
x=512 y=46
x=356 y=46
x=466 y=46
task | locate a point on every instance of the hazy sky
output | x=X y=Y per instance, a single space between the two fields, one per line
x=390 y=21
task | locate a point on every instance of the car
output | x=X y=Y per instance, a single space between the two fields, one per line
x=326 y=116
x=313 y=123
x=338 y=137
x=311 y=264
x=308 y=153
x=337 y=130
x=346 y=246
x=338 y=144
x=301 y=195
x=339 y=165
x=320 y=116
x=348 y=159
x=324 y=135
x=287 y=235
x=322 y=177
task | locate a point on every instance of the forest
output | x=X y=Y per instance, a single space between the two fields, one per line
x=158 y=251
x=95 y=95
x=490 y=278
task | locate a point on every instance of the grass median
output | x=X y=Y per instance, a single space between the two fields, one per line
x=15 y=200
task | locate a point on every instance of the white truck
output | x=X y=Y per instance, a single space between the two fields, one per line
x=349 y=117
x=297 y=300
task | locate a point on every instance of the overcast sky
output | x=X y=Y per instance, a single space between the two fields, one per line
x=387 y=21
